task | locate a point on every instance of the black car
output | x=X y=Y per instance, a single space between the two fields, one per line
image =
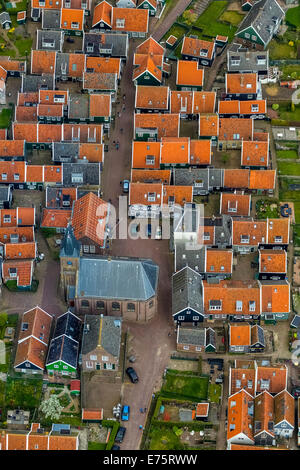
x=115 y=447
x=70 y=40
x=132 y=375
x=120 y=435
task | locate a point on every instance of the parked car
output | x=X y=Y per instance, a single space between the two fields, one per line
x=125 y=186
x=132 y=375
x=125 y=413
x=70 y=40
x=120 y=434
x=115 y=447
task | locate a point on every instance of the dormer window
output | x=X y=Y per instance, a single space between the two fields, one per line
x=151 y=197
x=245 y=239
x=150 y=160
x=239 y=305
x=204 y=52
x=171 y=200
x=215 y=305
x=254 y=108
x=278 y=239
x=252 y=306
x=75 y=25
x=120 y=23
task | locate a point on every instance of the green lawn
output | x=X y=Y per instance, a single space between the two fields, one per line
x=23 y=45
x=292 y=16
x=5 y=118
x=286 y=113
x=233 y=17
x=287 y=154
x=288 y=168
x=297 y=211
x=23 y=392
x=278 y=50
x=194 y=388
x=2 y=395
x=8 y=349
x=96 y=446
x=175 y=30
x=291 y=71
x=264 y=210
x=212 y=12
x=214 y=393
x=164 y=438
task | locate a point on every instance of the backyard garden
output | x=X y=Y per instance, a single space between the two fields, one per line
x=286 y=46
x=266 y=208
x=187 y=386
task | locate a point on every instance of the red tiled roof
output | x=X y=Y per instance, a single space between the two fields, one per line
x=135 y=20
x=204 y=102
x=255 y=230
x=52 y=96
x=100 y=105
x=178 y=194
x=175 y=152
x=43 y=61
x=276 y=297
x=25 y=234
x=236 y=179
x=24 y=270
x=189 y=73
x=55 y=218
x=255 y=153
x=85 y=132
x=92 y=414
x=35 y=174
x=139 y=193
x=147 y=176
x=12 y=148
x=208 y=125
x=262 y=179
x=238 y=202
x=235 y=129
x=194 y=46
x=89 y=218
x=70 y=16
x=239 y=418
x=26 y=114
x=25 y=250
x=52 y=174
x=167 y=124
x=240 y=335
x=272 y=261
x=218 y=261
x=102 y=12
x=140 y=151
x=152 y=97
x=200 y=152
x=241 y=83
x=12 y=172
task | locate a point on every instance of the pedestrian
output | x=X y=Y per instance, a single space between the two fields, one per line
x=123 y=107
x=140 y=426
x=141 y=410
x=145 y=409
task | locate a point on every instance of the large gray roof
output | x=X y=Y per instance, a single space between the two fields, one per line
x=65 y=151
x=118 y=43
x=195 y=336
x=110 y=339
x=50 y=19
x=32 y=83
x=43 y=37
x=209 y=177
x=246 y=60
x=195 y=259
x=117 y=278
x=187 y=291
x=90 y=173
x=262 y=18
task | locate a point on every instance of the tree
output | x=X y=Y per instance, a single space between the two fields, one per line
x=275 y=106
x=51 y=408
x=3 y=319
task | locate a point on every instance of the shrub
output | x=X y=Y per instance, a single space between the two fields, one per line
x=275 y=106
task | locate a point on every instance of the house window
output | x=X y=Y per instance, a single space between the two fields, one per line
x=212 y=268
x=13 y=274
x=77 y=177
x=186 y=348
x=104 y=358
x=181 y=317
x=150 y=160
x=198 y=184
x=92 y=248
x=93 y=358
x=130 y=307
x=85 y=303
x=115 y=306
x=100 y=304
x=65 y=367
x=215 y=305
x=75 y=25
x=151 y=197
x=7 y=219
x=16 y=176
x=55 y=366
x=278 y=239
x=198 y=348
x=24 y=326
x=150 y=304
x=247 y=35
x=254 y=38
x=239 y=305
x=236 y=136
x=254 y=108
x=120 y=23
x=86 y=248
x=252 y=306
x=195 y=318
x=89 y=365
x=4 y=176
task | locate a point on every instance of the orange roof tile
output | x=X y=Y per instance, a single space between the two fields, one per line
x=39 y=322
x=272 y=261
x=275 y=375
x=189 y=73
x=37 y=442
x=171 y=40
x=53 y=110
x=48 y=4
x=204 y=102
x=100 y=105
x=253 y=107
x=55 y=218
x=102 y=12
x=261 y=136
x=89 y=218
x=12 y=148
x=43 y=61
x=182 y=102
x=175 y=152
x=255 y=153
x=71 y=16
x=53 y=96
x=12 y=65
x=100 y=81
x=278 y=228
x=241 y=83
x=23 y=269
x=152 y=97
x=230 y=293
x=25 y=250
x=238 y=179
x=148 y=63
x=28 y=97
x=276 y=297
x=177 y=194
x=25 y=234
x=240 y=335
x=202 y=409
x=140 y=151
x=151 y=176
x=49 y=133
x=57 y=442
x=12 y=172
x=150 y=46
x=229 y=107
x=242 y=378
x=194 y=46
x=264 y=413
x=85 y=132
x=21 y=15
x=60 y=191
x=139 y=194
x=255 y=230
x=94 y=153
x=284 y=407
x=245 y=447
x=3 y=74
x=208 y=231
x=135 y=20
x=235 y=129
x=167 y=124
x=200 y=152
x=25 y=215
x=52 y=174
x=235 y=204
x=35 y=174
x=25 y=131
x=103 y=65
x=208 y=125
x=218 y=261
x=26 y=113
x=262 y=179
x=239 y=418
x=92 y=414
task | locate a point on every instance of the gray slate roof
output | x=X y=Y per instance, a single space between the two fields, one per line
x=89 y=171
x=4 y=17
x=195 y=259
x=187 y=291
x=4 y=193
x=51 y=19
x=70 y=246
x=209 y=177
x=117 y=278
x=46 y=36
x=195 y=336
x=118 y=43
x=110 y=334
x=262 y=18
x=65 y=151
x=32 y=83
x=248 y=60
x=62 y=64
x=78 y=106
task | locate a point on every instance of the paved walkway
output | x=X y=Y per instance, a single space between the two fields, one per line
x=165 y=24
